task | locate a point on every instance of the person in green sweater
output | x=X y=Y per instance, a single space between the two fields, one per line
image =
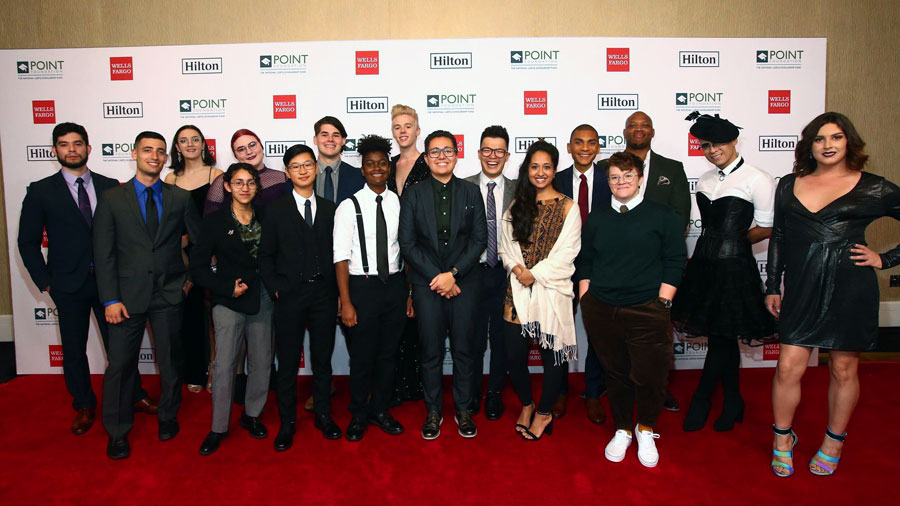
x=631 y=261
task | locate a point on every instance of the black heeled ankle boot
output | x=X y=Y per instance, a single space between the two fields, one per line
x=697 y=413
x=732 y=411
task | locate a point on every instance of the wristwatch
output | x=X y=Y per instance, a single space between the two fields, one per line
x=454 y=272
x=666 y=302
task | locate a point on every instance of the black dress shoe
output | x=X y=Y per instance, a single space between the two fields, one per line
x=466 y=424
x=254 y=426
x=493 y=406
x=329 y=429
x=118 y=448
x=285 y=438
x=671 y=402
x=356 y=430
x=168 y=430
x=697 y=413
x=211 y=443
x=432 y=427
x=387 y=423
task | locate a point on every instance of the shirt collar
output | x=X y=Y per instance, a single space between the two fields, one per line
x=334 y=167
x=630 y=205
x=71 y=179
x=301 y=199
x=731 y=167
x=588 y=174
x=484 y=179
x=140 y=187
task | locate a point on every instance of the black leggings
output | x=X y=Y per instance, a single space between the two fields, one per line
x=517 y=347
x=723 y=362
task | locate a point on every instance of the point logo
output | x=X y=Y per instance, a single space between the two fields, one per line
x=116 y=151
x=40 y=153
x=121 y=68
x=705 y=102
x=367 y=63
x=44 y=111
x=521 y=144
x=779 y=101
x=460 y=146
x=618 y=59
x=350 y=146
x=202 y=107
x=450 y=60
x=695 y=226
x=201 y=65
x=450 y=103
x=282 y=63
x=779 y=58
x=277 y=149
x=46 y=316
x=698 y=58
x=535 y=102
x=778 y=142
x=617 y=101
x=39 y=69
x=56 y=355
x=123 y=109
x=367 y=104
x=694 y=146
x=534 y=60
x=284 y=106
x=611 y=143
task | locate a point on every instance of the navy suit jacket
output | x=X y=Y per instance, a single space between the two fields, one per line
x=601 y=193
x=350 y=181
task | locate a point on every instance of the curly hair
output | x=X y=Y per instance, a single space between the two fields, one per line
x=373 y=144
x=524 y=209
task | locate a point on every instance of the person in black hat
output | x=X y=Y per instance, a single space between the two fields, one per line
x=721 y=296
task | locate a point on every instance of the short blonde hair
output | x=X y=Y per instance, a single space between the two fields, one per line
x=400 y=109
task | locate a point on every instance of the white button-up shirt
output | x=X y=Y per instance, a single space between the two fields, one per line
x=346 y=235
x=576 y=185
x=301 y=204
x=745 y=182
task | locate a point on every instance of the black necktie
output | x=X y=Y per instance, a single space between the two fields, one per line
x=381 y=253
x=307 y=212
x=152 y=218
x=623 y=209
x=84 y=202
x=329 y=184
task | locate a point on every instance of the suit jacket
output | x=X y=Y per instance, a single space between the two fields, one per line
x=220 y=238
x=600 y=190
x=667 y=185
x=128 y=261
x=418 y=231
x=350 y=181
x=291 y=253
x=49 y=204
x=509 y=190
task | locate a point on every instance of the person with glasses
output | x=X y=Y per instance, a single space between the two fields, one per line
x=497 y=191
x=721 y=296
x=193 y=169
x=631 y=262
x=442 y=235
x=242 y=309
x=295 y=262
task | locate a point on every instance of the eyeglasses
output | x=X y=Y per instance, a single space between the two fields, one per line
x=625 y=178
x=436 y=152
x=487 y=152
x=240 y=183
x=243 y=149
x=192 y=140
x=295 y=167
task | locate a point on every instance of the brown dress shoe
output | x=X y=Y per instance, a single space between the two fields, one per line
x=559 y=407
x=595 y=410
x=146 y=405
x=84 y=419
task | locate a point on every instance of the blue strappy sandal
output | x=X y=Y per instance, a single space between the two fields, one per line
x=785 y=455
x=826 y=462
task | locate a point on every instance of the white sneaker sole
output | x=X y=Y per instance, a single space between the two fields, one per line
x=614 y=458
x=648 y=464
x=426 y=438
x=467 y=436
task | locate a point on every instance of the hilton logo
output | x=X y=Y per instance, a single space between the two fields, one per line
x=277 y=149
x=450 y=60
x=123 y=109
x=40 y=153
x=282 y=63
x=39 y=69
x=778 y=142
x=523 y=143
x=698 y=58
x=367 y=104
x=147 y=356
x=201 y=65
x=617 y=102
x=692 y=184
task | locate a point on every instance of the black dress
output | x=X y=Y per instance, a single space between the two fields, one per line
x=721 y=295
x=829 y=301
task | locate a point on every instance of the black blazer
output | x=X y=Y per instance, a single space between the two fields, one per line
x=128 y=261
x=220 y=238
x=49 y=203
x=600 y=190
x=668 y=185
x=291 y=253
x=418 y=231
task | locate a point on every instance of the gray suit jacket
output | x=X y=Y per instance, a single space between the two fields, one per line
x=509 y=189
x=127 y=261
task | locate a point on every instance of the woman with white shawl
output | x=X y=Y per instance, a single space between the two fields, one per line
x=541 y=238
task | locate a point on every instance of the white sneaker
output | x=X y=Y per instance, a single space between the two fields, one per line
x=647 y=453
x=618 y=445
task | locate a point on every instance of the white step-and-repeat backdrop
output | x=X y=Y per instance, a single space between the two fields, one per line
x=535 y=87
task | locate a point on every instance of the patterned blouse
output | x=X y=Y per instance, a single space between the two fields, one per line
x=250 y=233
x=547 y=227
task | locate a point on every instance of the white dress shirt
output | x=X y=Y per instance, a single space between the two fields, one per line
x=576 y=184
x=346 y=236
x=301 y=204
x=483 y=181
x=631 y=204
x=745 y=182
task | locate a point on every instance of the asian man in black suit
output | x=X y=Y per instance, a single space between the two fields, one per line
x=141 y=276
x=64 y=205
x=442 y=235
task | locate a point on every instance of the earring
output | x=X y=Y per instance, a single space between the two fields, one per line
x=179 y=156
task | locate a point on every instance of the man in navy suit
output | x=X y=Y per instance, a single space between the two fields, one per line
x=586 y=184
x=64 y=205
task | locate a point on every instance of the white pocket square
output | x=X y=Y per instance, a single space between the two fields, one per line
x=662 y=181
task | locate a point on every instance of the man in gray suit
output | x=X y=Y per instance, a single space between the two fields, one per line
x=497 y=192
x=141 y=276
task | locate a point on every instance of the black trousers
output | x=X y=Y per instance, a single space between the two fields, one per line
x=195 y=337
x=489 y=326
x=373 y=342
x=634 y=346
x=122 y=371
x=313 y=307
x=517 y=349
x=436 y=317
x=74 y=312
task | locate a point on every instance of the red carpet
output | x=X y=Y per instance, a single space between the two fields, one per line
x=41 y=462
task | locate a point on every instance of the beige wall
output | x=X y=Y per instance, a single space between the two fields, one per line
x=863 y=42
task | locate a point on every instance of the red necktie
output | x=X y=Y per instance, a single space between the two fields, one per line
x=583 y=200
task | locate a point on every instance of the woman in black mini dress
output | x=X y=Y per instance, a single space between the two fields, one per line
x=831 y=291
